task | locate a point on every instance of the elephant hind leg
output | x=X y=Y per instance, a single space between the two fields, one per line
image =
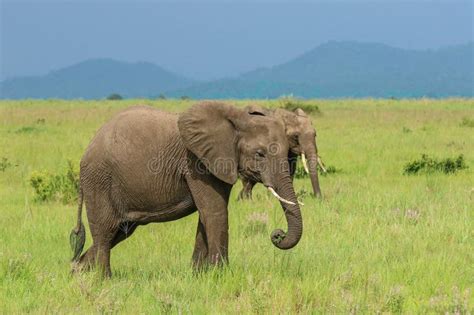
x=98 y=255
x=103 y=225
x=200 y=248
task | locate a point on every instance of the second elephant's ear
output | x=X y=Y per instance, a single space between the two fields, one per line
x=300 y=112
x=208 y=132
x=257 y=110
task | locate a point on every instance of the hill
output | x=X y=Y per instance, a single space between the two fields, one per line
x=331 y=70
x=96 y=78
x=351 y=69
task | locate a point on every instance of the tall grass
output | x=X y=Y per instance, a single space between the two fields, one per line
x=379 y=241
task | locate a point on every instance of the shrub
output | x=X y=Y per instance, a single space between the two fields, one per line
x=301 y=173
x=56 y=187
x=301 y=193
x=34 y=128
x=114 y=97
x=4 y=164
x=28 y=129
x=430 y=165
x=330 y=170
x=467 y=122
x=291 y=104
x=394 y=301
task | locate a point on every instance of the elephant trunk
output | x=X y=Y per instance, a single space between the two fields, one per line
x=279 y=238
x=310 y=150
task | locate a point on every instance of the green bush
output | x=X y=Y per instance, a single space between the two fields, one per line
x=114 y=97
x=301 y=173
x=330 y=170
x=29 y=129
x=4 y=164
x=406 y=130
x=467 y=122
x=430 y=165
x=56 y=187
x=38 y=126
x=291 y=104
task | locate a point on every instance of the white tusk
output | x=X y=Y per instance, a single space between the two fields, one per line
x=300 y=203
x=305 y=164
x=320 y=163
x=280 y=198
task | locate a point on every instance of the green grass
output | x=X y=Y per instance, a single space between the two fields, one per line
x=380 y=241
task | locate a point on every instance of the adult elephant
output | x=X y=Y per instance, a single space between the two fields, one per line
x=301 y=136
x=146 y=165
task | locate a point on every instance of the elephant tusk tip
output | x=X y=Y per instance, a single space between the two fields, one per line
x=305 y=163
x=321 y=165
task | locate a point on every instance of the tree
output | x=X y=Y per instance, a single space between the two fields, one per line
x=114 y=97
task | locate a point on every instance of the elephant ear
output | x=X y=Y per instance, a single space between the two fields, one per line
x=300 y=112
x=208 y=132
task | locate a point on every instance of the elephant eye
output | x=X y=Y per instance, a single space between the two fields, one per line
x=260 y=153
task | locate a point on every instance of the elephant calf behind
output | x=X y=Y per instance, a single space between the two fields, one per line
x=301 y=137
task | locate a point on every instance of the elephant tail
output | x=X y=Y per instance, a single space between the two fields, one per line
x=77 y=238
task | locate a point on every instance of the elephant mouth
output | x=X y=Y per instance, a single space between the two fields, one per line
x=250 y=175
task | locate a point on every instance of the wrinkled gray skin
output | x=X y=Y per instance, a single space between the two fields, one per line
x=302 y=139
x=146 y=165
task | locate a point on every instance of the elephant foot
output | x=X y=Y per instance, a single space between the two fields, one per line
x=207 y=264
x=94 y=258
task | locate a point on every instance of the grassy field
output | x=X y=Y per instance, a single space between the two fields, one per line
x=380 y=241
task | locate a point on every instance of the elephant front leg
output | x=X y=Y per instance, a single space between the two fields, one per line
x=211 y=246
x=212 y=237
x=217 y=232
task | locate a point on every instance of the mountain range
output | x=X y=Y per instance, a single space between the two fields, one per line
x=331 y=70
x=95 y=79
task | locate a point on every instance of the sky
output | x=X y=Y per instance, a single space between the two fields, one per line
x=207 y=40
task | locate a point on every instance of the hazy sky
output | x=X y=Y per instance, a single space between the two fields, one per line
x=205 y=40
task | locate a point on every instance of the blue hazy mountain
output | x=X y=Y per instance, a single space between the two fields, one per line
x=334 y=69
x=351 y=69
x=96 y=78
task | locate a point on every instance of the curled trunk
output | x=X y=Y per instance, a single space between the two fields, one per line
x=287 y=240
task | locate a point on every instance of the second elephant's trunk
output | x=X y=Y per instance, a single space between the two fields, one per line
x=308 y=145
x=313 y=173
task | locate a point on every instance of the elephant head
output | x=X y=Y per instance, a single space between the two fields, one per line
x=232 y=142
x=301 y=137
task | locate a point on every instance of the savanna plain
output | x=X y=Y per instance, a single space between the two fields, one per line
x=379 y=240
